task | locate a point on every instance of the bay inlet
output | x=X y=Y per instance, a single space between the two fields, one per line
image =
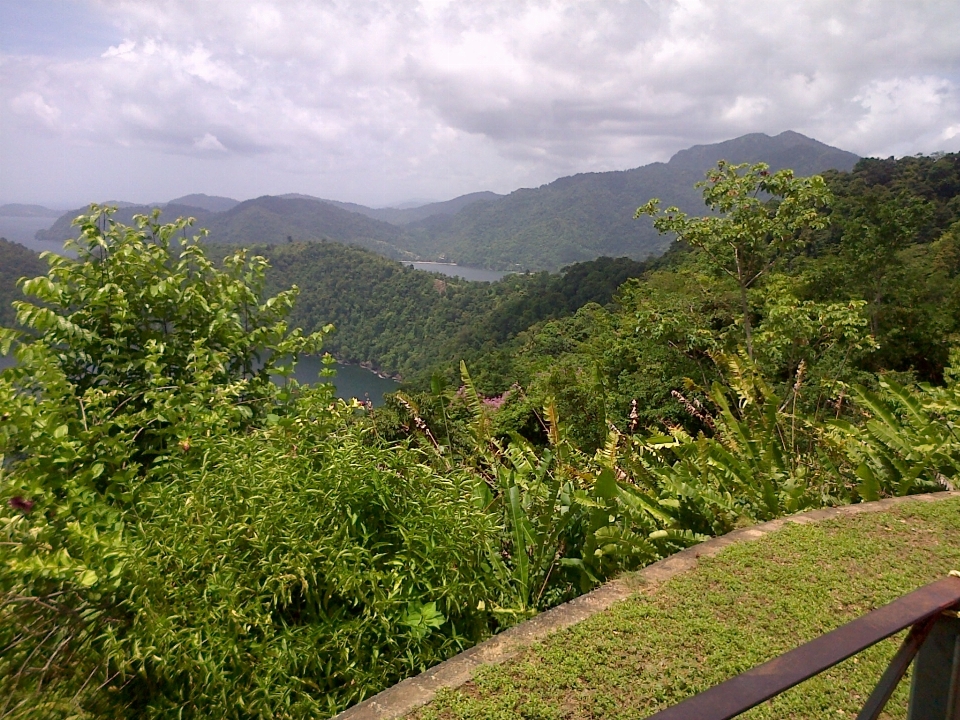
x=467 y=273
x=351 y=381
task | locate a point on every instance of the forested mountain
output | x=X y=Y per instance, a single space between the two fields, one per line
x=16 y=262
x=264 y=220
x=803 y=155
x=591 y=214
x=570 y=220
x=271 y=220
x=409 y=322
x=63 y=228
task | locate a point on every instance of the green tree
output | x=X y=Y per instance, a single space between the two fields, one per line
x=876 y=226
x=760 y=216
x=135 y=327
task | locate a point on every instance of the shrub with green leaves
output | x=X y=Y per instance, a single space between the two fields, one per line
x=182 y=537
x=908 y=442
x=297 y=569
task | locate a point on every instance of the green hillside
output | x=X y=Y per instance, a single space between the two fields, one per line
x=16 y=262
x=588 y=215
x=410 y=322
x=273 y=220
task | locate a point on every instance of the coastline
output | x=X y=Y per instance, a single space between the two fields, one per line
x=368 y=365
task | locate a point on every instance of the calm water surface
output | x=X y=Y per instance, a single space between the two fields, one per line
x=350 y=380
x=467 y=273
x=22 y=230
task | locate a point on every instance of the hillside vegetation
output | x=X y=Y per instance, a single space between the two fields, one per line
x=16 y=262
x=186 y=534
x=877 y=291
x=410 y=322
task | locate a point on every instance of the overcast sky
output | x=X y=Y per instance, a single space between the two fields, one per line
x=382 y=102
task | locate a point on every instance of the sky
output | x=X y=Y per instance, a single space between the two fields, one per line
x=385 y=102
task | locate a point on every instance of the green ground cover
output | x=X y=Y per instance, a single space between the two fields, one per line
x=740 y=608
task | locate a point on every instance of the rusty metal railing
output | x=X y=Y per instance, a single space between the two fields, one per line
x=934 y=639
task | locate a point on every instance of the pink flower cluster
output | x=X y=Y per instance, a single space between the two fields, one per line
x=497 y=401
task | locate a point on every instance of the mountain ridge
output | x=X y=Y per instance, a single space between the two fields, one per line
x=26 y=210
x=210 y=203
x=572 y=219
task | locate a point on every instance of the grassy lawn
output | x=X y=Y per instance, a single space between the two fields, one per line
x=742 y=607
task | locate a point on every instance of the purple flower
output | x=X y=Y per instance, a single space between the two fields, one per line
x=21 y=504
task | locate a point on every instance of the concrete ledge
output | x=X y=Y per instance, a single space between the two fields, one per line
x=415 y=692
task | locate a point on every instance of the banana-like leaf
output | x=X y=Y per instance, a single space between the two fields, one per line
x=521 y=534
x=869 y=489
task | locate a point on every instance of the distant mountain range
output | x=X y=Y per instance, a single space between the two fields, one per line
x=405 y=216
x=21 y=210
x=569 y=220
x=210 y=203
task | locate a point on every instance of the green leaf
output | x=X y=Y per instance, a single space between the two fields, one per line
x=869 y=489
x=519 y=531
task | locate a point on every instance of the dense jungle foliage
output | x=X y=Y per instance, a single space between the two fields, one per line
x=890 y=244
x=408 y=322
x=187 y=534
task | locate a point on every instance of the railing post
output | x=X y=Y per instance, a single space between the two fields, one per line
x=935 y=688
x=897 y=668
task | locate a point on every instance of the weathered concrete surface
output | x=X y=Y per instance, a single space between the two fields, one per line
x=415 y=692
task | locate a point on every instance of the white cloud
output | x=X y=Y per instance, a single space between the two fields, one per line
x=904 y=115
x=374 y=100
x=124 y=49
x=209 y=142
x=33 y=105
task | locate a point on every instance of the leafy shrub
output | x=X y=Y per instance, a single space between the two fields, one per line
x=300 y=570
x=181 y=536
x=908 y=443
